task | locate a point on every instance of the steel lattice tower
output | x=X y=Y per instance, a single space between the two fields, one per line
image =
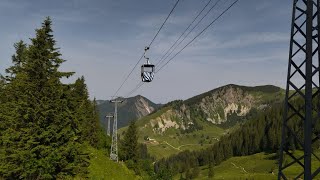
x=114 y=145
x=302 y=95
x=109 y=116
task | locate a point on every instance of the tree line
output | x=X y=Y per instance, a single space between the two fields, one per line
x=262 y=133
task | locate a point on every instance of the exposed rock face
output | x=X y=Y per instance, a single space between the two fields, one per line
x=217 y=107
x=143 y=107
x=229 y=100
x=169 y=119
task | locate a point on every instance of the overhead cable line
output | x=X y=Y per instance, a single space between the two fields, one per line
x=213 y=6
x=199 y=34
x=164 y=22
x=127 y=77
x=159 y=59
x=140 y=84
x=134 y=90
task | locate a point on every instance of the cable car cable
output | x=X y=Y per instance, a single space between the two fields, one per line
x=135 y=89
x=147 y=70
x=159 y=59
x=190 y=31
x=127 y=77
x=229 y=7
x=164 y=22
x=198 y=34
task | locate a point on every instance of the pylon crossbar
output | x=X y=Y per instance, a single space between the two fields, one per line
x=316 y=173
x=296 y=89
x=294 y=134
x=294 y=158
x=298 y=50
x=296 y=111
x=293 y=162
x=315 y=156
x=293 y=94
x=303 y=62
x=298 y=177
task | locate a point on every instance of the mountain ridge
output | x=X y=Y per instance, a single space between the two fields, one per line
x=132 y=108
x=203 y=119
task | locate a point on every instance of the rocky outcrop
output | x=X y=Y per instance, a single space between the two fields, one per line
x=143 y=107
x=217 y=107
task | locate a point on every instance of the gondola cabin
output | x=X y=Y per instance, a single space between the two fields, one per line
x=147 y=72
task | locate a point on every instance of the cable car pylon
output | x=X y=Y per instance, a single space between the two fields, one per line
x=109 y=116
x=114 y=145
x=300 y=126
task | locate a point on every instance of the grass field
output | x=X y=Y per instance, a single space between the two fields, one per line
x=172 y=141
x=259 y=166
x=101 y=167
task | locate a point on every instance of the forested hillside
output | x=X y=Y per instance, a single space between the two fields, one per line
x=262 y=133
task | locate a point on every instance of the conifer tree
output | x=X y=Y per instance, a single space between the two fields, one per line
x=18 y=60
x=130 y=142
x=87 y=115
x=39 y=140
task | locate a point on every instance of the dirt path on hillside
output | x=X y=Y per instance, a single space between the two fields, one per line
x=171 y=146
x=239 y=167
x=178 y=148
x=191 y=145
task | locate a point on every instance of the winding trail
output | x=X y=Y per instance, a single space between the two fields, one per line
x=239 y=167
x=178 y=148
x=171 y=146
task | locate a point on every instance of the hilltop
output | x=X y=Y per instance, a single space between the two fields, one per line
x=131 y=109
x=200 y=121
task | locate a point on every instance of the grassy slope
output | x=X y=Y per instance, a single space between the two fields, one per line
x=101 y=167
x=172 y=141
x=258 y=167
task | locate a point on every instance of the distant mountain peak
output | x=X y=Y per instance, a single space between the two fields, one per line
x=132 y=108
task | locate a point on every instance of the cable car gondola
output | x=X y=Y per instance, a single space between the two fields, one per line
x=147 y=70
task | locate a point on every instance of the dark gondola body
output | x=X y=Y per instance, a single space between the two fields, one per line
x=147 y=72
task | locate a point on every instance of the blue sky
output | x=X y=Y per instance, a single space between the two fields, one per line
x=103 y=39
